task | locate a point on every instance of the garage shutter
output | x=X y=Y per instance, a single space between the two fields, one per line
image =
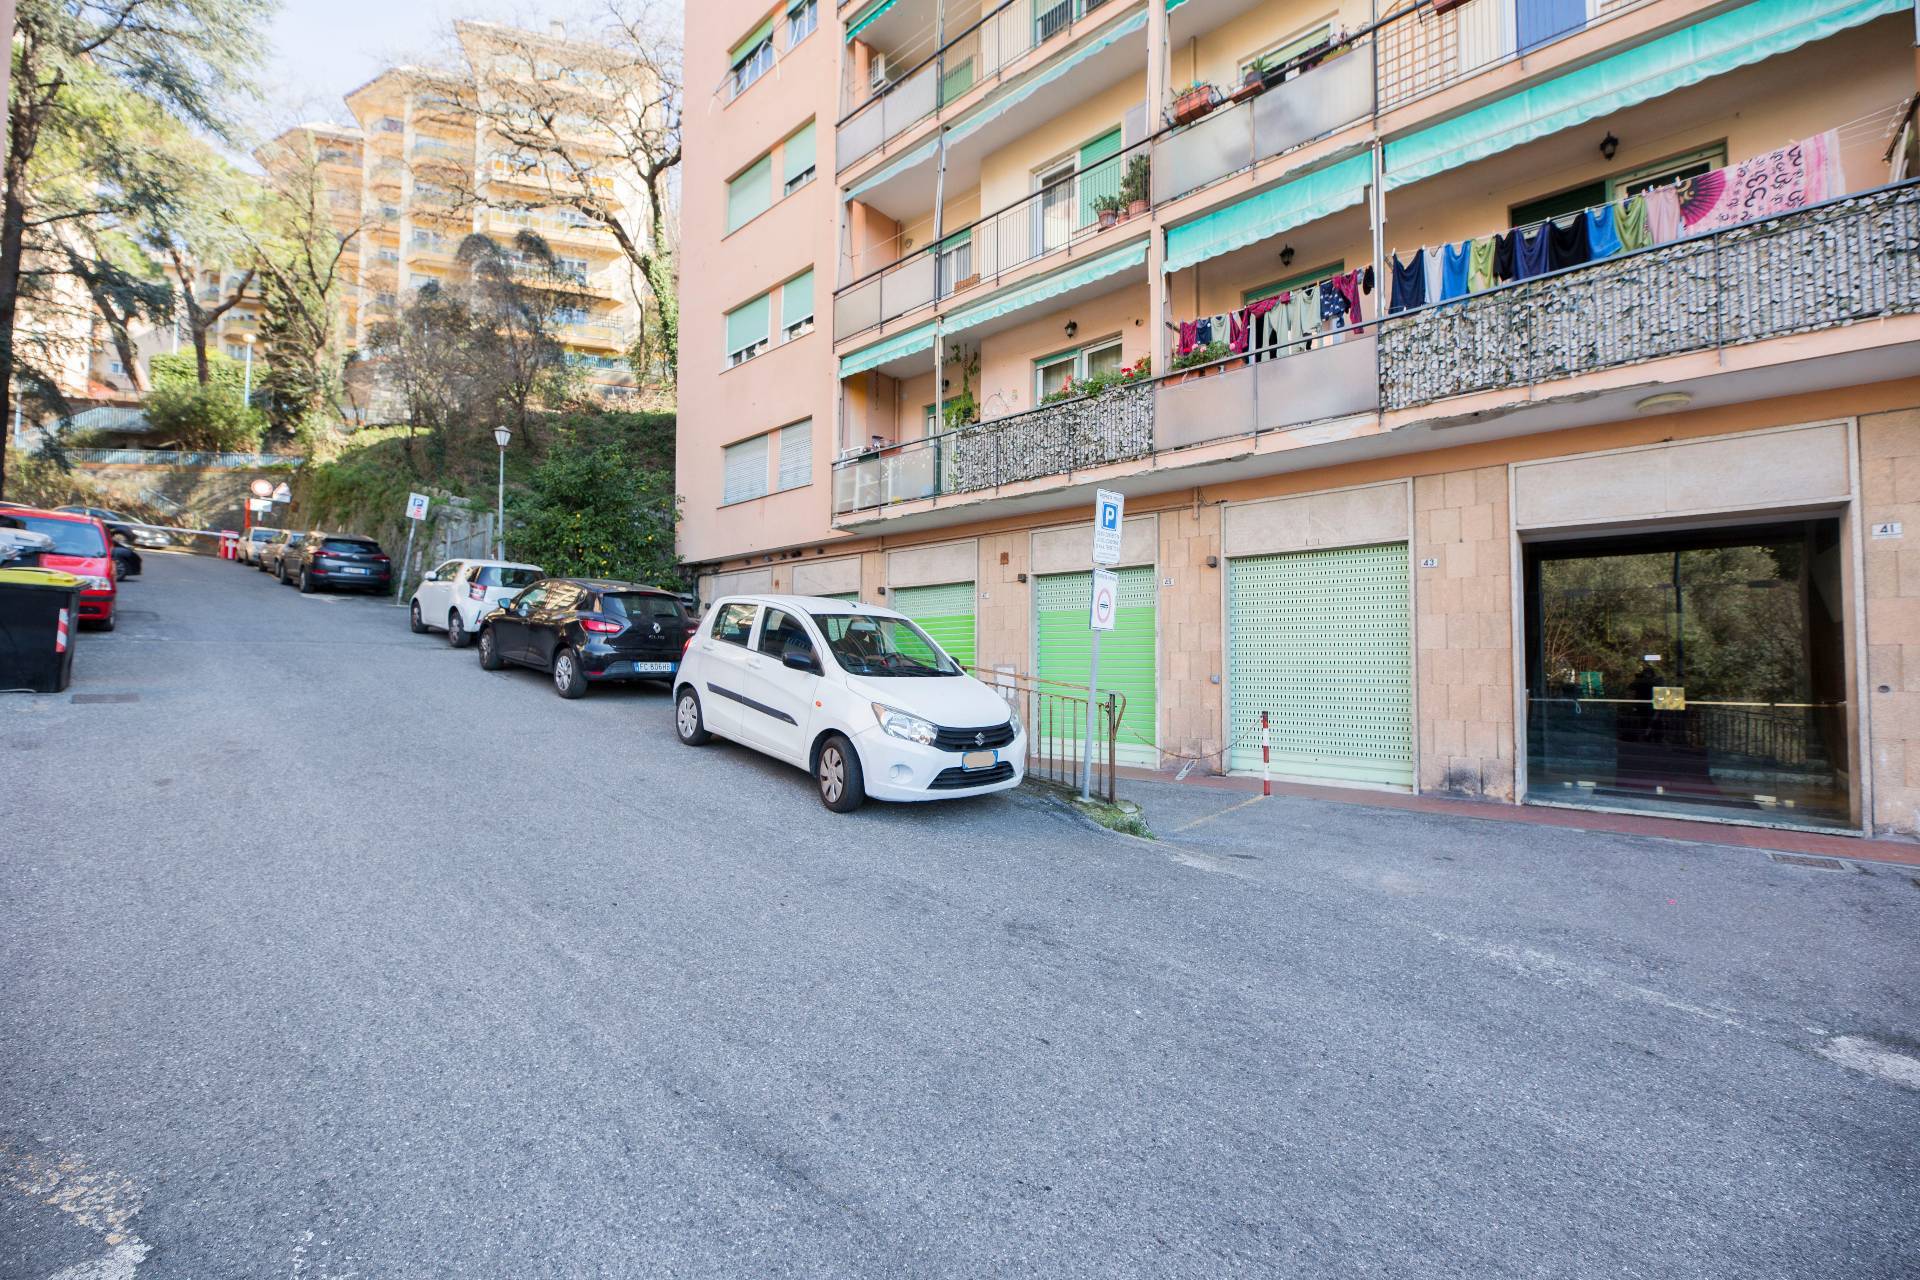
x=944 y=612
x=1064 y=650
x=1319 y=640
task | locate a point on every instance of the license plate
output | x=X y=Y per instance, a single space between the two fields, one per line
x=356 y=571
x=652 y=668
x=979 y=759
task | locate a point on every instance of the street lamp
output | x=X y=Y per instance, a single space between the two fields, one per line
x=247 y=396
x=501 y=435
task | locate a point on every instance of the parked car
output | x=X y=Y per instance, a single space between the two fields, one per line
x=343 y=561
x=247 y=551
x=457 y=594
x=587 y=630
x=80 y=547
x=275 y=549
x=857 y=695
x=123 y=528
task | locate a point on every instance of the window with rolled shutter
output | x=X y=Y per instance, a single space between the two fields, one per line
x=746 y=470
x=796 y=455
x=750 y=194
x=797 y=159
x=796 y=306
x=1319 y=641
x=1063 y=653
x=945 y=612
x=747 y=333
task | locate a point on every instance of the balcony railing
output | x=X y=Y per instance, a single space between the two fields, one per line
x=1846 y=260
x=1046 y=222
x=1430 y=50
x=1001 y=35
x=1307 y=99
x=1818 y=268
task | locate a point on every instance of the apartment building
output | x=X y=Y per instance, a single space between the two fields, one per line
x=1514 y=399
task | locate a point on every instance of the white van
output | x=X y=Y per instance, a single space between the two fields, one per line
x=857 y=695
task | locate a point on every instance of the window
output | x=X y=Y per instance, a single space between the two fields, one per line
x=642 y=606
x=1053 y=374
x=777 y=629
x=388 y=124
x=747 y=334
x=802 y=17
x=752 y=57
x=796 y=306
x=745 y=476
x=796 y=455
x=956 y=259
x=1672 y=169
x=501 y=576
x=1280 y=54
x=236 y=351
x=733 y=623
x=446 y=572
x=749 y=194
x=797 y=160
x=1292 y=282
x=116 y=366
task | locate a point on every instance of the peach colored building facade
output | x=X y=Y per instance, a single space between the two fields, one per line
x=1619 y=530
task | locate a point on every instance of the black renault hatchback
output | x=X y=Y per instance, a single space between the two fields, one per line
x=586 y=630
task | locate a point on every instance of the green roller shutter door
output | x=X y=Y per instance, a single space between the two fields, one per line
x=1063 y=651
x=1319 y=640
x=944 y=612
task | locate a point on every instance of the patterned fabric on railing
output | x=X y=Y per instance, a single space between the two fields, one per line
x=1072 y=435
x=1816 y=269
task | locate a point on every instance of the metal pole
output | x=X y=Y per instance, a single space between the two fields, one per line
x=246 y=397
x=500 y=511
x=406 y=559
x=1086 y=747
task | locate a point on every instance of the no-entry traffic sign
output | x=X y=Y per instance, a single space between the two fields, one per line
x=1106 y=598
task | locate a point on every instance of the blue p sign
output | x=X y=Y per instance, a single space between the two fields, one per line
x=1109 y=515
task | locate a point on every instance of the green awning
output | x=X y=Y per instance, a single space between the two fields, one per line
x=900 y=344
x=1032 y=84
x=859 y=24
x=1277 y=209
x=916 y=156
x=1720 y=44
x=752 y=42
x=1037 y=291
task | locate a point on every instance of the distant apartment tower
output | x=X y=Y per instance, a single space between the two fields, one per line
x=1514 y=399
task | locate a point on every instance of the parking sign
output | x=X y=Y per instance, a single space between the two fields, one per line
x=1109 y=513
x=416 y=506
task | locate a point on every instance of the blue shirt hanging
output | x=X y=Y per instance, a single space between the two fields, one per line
x=1453 y=270
x=1602 y=235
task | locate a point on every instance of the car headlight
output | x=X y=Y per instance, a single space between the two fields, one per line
x=899 y=724
x=1013 y=721
x=93 y=582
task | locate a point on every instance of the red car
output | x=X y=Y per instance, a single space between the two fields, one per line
x=80 y=547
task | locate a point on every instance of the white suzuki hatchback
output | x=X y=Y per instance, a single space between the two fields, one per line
x=459 y=593
x=856 y=695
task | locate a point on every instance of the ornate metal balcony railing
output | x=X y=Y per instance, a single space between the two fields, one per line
x=1818 y=268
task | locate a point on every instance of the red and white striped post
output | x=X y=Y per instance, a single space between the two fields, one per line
x=60 y=633
x=1266 y=759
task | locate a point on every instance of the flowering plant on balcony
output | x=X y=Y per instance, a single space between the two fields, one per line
x=1139 y=371
x=1213 y=351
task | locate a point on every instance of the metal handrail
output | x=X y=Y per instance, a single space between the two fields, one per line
x=909 y=73
x=1055 y=716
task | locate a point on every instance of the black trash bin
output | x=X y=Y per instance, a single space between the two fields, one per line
x=39 y=615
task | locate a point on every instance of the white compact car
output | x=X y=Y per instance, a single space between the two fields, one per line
x=856 y=695
x=455 y=596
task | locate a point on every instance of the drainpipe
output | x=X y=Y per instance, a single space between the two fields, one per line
x=1157 y=284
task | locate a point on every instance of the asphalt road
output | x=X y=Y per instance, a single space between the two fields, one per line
x=330 y=954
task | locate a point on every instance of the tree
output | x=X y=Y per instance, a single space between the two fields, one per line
x=83 y=72
x=591 y=511
x=211 y=223
x=194 y=417
x=582 y=123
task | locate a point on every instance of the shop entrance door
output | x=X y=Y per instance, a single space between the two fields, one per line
x=1699 y=672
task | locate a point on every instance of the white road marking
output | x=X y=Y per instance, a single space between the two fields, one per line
x=1551 y=968
x=102 y=1202
x=1861 y=1054
x=118 y=1264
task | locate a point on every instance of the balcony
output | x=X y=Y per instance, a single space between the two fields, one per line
x=1741 y=285
x=1051 y=220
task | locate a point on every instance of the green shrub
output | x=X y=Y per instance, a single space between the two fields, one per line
x=592 y=512
x=208 y=418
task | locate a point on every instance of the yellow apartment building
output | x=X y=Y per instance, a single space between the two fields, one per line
x=1513 y=399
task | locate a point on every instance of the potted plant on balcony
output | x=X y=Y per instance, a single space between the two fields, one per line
x=1108 y=209
x=1194 y=101
x=1254 y=82
x=1136 y=185
x=1200 y=362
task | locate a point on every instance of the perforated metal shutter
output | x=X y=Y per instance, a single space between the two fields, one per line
x=944 y=612
x=1319 y=640
x=1063 y=650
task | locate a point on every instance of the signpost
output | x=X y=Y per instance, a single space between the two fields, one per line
x=1109 y=517
x=282 y=492
x=416 y=512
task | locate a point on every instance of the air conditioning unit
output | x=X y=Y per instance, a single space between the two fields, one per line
x=877 y=73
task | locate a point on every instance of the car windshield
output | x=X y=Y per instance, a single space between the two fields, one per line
x=70 y=537
x=494 y=575
x=641 y=606
x=866 y=645
x=261 y=535
x=351 y=546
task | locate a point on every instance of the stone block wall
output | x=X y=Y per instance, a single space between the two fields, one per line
x=1464 y=621
x=1890 y=491
x=1191 y=644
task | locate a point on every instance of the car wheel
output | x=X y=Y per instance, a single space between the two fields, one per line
x=105 y=624
x=490 y=659
x=414 y=624
x=457 y=634
x=285 y=581
x=569 y=681
x=687 y=721
x=119 y=570
x=837 y=773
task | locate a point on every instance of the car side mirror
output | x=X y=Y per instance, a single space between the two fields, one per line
x=799 y=656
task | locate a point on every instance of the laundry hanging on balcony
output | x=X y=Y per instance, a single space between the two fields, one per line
x=1725 y=42
x=1765 y=186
